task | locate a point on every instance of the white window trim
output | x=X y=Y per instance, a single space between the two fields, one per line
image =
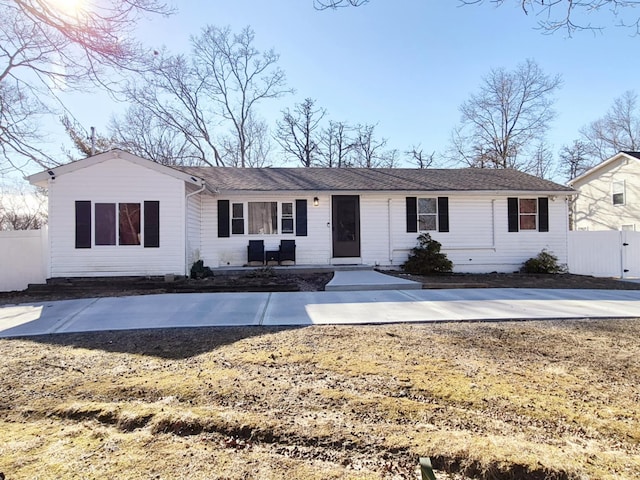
x=418 y=214
x=279 y=216
x=617 y=191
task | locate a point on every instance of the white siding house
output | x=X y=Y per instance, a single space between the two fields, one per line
x=109 y=182
x=117 y=214
x=609 y=195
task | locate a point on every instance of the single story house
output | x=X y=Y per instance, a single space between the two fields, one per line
x=608 y=195
x=116 y=214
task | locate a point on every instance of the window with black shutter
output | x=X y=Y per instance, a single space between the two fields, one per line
x=83 y=224
x=223 y=218
x=301 y=218
x=151 y=224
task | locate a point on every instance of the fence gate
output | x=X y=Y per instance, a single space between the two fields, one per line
x=605 y=254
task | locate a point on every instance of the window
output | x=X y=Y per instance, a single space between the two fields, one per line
x=263 y=218
x=629 y=228
x=617 y=193
x=237 y=219
x=528 y=213
x=287 y=217
x=105 y=226
x=124 y=222
x=424 y=214
x=129 y=224
x=427 y=214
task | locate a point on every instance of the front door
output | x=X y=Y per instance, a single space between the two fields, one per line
x=345 y=214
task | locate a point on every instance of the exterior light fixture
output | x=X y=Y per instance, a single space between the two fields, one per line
x=316 y=201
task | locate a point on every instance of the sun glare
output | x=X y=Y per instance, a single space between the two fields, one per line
x=68 y=7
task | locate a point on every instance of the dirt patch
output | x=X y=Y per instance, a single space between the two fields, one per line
x=269 y=280
x=519 y=280
x=262 y=280
x=526 y=400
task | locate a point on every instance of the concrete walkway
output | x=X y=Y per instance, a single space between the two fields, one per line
x=313 y=308
x=356 y=280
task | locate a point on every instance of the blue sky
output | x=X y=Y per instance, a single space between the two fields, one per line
x=406 y=65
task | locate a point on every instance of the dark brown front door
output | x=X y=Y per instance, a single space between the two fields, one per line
x=345 y=214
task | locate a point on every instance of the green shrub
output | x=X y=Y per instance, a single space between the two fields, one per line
x=544 y=262
x=426 y=259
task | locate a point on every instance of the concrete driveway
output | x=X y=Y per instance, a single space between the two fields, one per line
x=313 y=308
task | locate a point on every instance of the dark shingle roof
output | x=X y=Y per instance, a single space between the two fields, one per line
x=375 y=179
x=633 y=154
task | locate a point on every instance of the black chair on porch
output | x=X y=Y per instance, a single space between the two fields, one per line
x=255 y=251
x=287 y=250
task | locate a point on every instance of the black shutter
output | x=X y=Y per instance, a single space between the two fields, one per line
x=512 y=215
x=83 y=224
x=151 y=224
x=223 y=218
x=301 y=218
x=412 y=214
x=543 y=214
x=443 y=214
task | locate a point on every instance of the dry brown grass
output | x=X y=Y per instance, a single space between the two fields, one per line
x=553 y=399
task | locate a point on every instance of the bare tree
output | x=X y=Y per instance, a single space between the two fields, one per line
x=46 y=48
x=510 y=113
x=541 y=163
x=617 y=130
x=257 y=147
x=213 y=93
x=85 y=142
x=297 y=132
x=368 y=151
x=333 y=4
x=575 y=159
x=140 y=132
x=337 y=145
x=552 y=15
x=21 y=208
x=418 y=157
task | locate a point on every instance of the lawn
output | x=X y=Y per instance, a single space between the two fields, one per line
x=501 y=400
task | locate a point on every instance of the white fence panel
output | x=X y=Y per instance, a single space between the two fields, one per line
x=630 y=254
x=23 y=258
x=607 y=253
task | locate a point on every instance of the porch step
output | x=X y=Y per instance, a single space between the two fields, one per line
x=348 y=281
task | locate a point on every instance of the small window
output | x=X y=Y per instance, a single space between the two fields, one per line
x=263 y=218
x=528 y=213
x=427 y=214
x=287 y=218
x=628 y=228
x=617 y=191
x=129 y=224
x=237 y=219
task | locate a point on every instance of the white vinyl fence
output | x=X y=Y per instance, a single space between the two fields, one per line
x=608 y=253
x=23 y=258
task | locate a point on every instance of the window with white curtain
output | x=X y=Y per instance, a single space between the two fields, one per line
x=263 y=218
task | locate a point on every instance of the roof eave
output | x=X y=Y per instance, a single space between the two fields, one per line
x=42 y=178
x=601 y=165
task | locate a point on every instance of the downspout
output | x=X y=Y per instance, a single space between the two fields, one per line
x=186 y=226
x=389 y=231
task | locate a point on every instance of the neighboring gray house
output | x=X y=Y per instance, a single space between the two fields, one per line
x=118 y=214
